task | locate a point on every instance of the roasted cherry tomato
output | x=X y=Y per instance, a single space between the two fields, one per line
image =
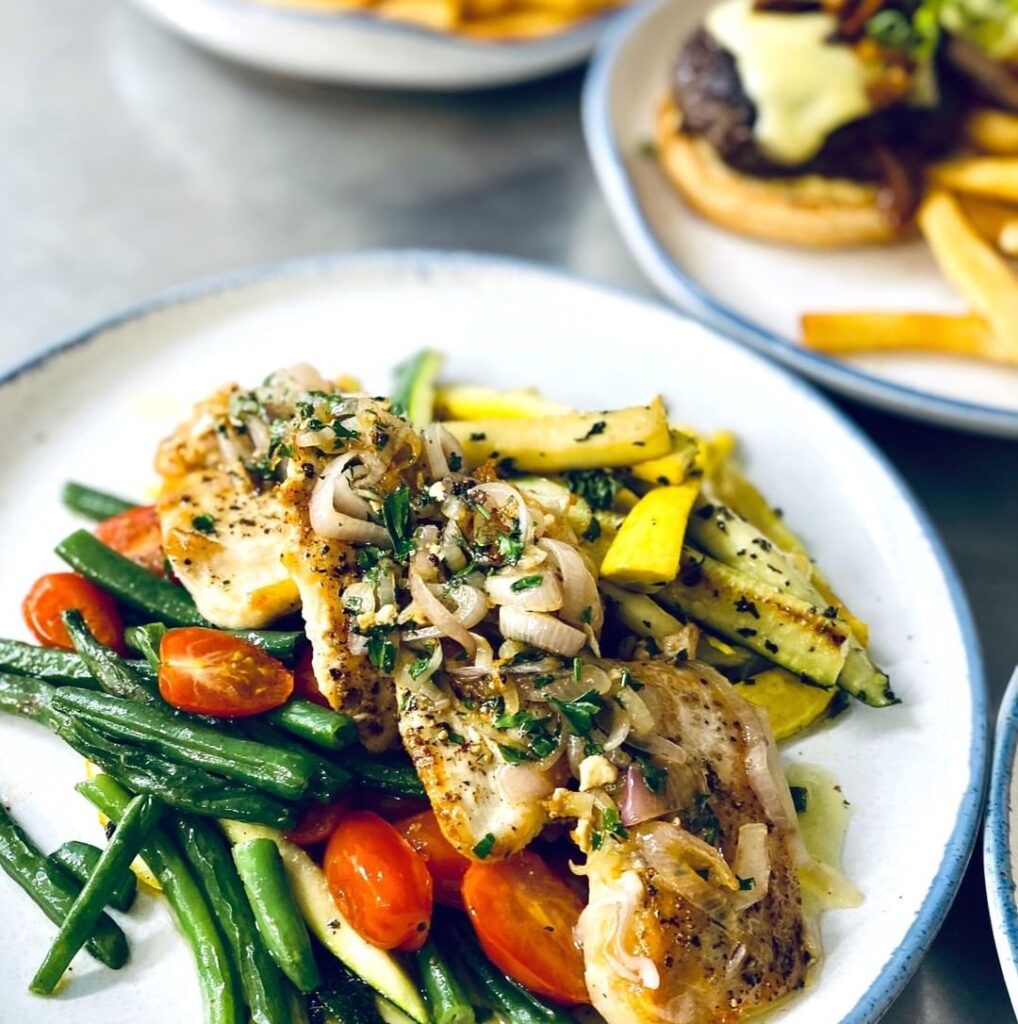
x=319 y=821
x=60 y=592
x=213 y=673
x=135 y=534
x=379 y=882
x=524 y=915
x=446 y=865
x=304 y=683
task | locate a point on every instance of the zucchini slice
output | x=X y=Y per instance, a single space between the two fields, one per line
x=311 y=891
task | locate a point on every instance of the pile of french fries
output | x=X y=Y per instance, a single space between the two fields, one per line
x=493 y=20
x=969 y=217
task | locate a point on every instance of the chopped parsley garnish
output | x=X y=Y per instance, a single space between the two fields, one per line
x=527 y=583
x=595 y=429
x=745 y=884
x=597 y=487
x=613 y=823
x=484 y=847
x=381 y=651
x=586 y=614
x=543 y=679
x=204 y=524
x=455 y=737
x=510 y=548
x=455 y=461
x=477 y=435
x=513 y=754
x=420 y=666
x=593 y=531
x=577 y=669
x=703 y=821
x=396 y=516
x=800 y=798
x=580 y=711
x=596 y=840
x=367 y=557
x=744 y=605
x=514 y=721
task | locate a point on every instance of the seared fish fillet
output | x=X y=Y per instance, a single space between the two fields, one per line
x=321 y=569
x=672 y=933
x=473 y=791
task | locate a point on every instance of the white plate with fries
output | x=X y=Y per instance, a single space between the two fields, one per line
x=403 y=44
x=96 y=406
x=759 y=292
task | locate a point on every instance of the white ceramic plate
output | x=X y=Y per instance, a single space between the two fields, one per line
x=94 y=409
x=357 y=48
x=1000 y=840
x=753 y=290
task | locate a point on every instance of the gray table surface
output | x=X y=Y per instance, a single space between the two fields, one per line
x=132 y=162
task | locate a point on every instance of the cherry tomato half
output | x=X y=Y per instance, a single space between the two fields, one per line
x=135 y=534
x=319 y=822
x=446 y=864
x=379 y=882
x=212 y=673
x=60 y=592
x=524 y=915
x=305 y=685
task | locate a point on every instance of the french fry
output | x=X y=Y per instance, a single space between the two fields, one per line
x=993 y=176
x=841 y=334
x=989 y=217
x=993 y=131
x=980 y=273
x=437 y=14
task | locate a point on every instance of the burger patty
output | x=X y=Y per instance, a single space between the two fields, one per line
x=713 y=103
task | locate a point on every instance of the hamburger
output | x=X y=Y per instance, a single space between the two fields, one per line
x=809 y=122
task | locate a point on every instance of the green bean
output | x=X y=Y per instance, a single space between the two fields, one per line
x=321 y=726
x=345 y=997
x=174 y=737
x=110 y=671
x=279 y=922
x=28 y=698
x=209 y=856
x=281 y=644
x=446 y=997
x=48 y=663
x=218 y=981
x=136 y=824
x=130 y=583
x=54 y=891
x=327 y=781
x=79 y=860
x=512 y=999
x=92 y=503
x=180 y=786
x=395 y=775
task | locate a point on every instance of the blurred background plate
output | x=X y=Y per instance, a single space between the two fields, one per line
x=96 y=407
x=1000 y=840
x=358 y=48
x=757 y=291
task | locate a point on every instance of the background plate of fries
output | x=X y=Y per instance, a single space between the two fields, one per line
x=927 y=327
x=407 y=44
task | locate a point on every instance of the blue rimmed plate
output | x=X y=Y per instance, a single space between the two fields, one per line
x=95 y=407
x=755 y=291
x=1000 y=840
x=354 y=47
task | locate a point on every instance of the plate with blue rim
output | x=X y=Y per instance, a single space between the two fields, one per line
x=95 y=406
x=1000 y=840
x=352 y=46
x=754 y=291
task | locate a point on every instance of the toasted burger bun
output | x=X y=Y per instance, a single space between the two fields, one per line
x=808 y=211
